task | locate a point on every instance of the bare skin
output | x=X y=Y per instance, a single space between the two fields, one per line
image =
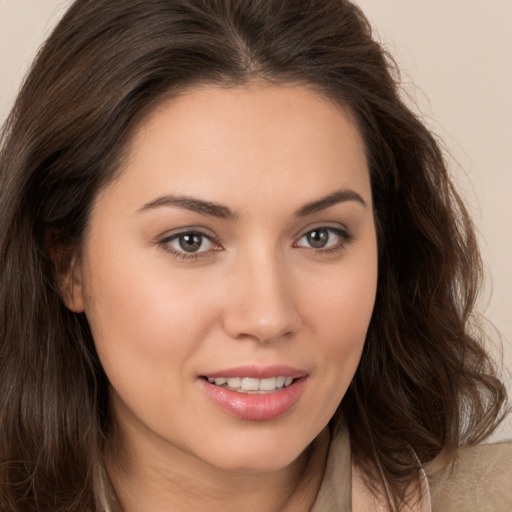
x=238 y=239
x=144 y=486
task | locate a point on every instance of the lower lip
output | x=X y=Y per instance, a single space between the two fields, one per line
x=255 y=407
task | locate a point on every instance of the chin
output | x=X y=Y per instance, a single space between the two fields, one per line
x=257 y=455
x=255 y=463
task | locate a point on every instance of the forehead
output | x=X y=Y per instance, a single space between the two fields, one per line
x=222 y=141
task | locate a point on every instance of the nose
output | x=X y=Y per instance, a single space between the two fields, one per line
x=261 y=304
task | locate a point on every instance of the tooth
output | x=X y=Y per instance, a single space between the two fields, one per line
x=234 y=382
x=280 y=382
x=249 y=384
x=288 y=381
x=211 y=380
x=267 y=384
x=220 y=380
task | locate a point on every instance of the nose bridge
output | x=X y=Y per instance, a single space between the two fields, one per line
x=262 y=307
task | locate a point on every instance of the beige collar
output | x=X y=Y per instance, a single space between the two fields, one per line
x=343 y=488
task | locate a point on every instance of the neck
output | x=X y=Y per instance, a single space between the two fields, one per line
x=146 y=480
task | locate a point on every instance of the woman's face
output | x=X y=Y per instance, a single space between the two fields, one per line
x=235 y=252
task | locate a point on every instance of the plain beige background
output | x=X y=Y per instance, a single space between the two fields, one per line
x=456 y=63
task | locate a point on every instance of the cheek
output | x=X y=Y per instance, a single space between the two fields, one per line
x=339 y=308
x=342 y=326
x=147 y=331
x=146 y=325
x=339 y=320
x=340 y=303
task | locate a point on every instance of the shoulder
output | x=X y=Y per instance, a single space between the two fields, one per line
x=480 y=480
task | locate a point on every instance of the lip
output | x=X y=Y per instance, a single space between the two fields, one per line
x=254 y=407
x=258 y=372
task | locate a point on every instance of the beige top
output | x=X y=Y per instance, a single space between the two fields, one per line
x=480 y=481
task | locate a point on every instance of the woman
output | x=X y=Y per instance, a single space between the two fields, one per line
x=234 y=272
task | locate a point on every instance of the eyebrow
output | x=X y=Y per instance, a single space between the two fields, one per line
x=193 y=204
x=340 y=196
x=223 y=212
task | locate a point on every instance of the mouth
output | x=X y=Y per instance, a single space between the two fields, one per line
x=251 y=385
x=255 y=393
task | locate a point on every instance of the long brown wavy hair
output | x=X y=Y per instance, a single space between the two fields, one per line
x=425 y=384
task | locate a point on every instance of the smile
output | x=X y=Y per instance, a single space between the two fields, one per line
x=252 y=385
x=255 y=393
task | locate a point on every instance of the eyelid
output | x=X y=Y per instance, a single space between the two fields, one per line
x=332 y=226
x=163 y=241
x=339 y=230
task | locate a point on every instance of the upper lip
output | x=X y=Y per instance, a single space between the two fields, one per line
x=258 y=372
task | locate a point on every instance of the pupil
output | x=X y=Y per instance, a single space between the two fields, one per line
x=318 y=238
x=190 y=242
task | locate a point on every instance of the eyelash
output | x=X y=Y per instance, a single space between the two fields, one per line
x=344 y=239
x=344 y=236
x=182 y=255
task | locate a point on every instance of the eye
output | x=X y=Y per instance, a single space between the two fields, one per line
x=188 y=244
x=324 y=238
